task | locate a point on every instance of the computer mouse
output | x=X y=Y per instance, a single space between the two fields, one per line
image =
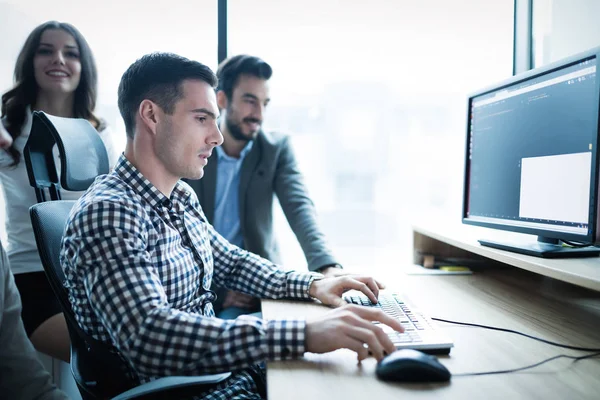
x=411 y=366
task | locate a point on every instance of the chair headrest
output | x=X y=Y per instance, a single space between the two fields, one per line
x=82 y=152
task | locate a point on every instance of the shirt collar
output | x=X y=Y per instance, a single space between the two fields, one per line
x=223 y=156
x=138 y=182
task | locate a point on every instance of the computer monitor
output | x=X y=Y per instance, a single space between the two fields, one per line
x=532 y=158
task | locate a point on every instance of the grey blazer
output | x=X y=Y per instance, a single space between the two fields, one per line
x=269 y=169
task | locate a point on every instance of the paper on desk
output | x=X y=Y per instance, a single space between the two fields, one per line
x=415 y=269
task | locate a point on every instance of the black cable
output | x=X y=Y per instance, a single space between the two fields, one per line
x=518 y=333
x=508 y=371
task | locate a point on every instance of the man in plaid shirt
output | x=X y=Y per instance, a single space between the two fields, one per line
x=139 y=256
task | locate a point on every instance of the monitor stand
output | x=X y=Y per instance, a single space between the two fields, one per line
x=545 y=247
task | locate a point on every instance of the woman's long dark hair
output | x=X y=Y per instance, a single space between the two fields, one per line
x=25 y=91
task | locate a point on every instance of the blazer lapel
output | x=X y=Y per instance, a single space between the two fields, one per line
x=248 y=167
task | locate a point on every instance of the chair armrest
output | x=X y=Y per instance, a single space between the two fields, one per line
x=171 y=383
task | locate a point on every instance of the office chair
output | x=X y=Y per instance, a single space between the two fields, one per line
x=97 y=368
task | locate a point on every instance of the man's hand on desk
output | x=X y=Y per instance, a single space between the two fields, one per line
x=241 y=300
x=350 y=327
x=329 y=291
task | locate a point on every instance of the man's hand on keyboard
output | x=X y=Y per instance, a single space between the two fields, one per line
x=351 y=327
x=329 y=291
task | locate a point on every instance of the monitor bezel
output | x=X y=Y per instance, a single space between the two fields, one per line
x=594 y=216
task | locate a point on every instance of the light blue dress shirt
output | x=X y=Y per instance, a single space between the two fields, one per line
x=227 y=200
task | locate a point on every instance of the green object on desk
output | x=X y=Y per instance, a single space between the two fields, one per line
x=454 y=268
x=416 y=269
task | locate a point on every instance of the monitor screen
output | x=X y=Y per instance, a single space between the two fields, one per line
x=531 y=157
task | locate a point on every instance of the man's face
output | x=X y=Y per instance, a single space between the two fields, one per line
x=247 y=106
x=185 y=139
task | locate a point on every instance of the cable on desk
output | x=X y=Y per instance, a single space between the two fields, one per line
x=508 y=371
x=517 y=333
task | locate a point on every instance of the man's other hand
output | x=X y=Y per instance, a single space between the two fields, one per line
x=242 y=300
x=330 y=290
x=350 y=327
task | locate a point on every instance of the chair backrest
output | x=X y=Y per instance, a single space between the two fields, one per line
x=97 y=370
x=82 y=153
x=49 y=220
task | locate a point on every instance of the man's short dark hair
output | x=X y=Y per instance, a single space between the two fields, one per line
x=158 y=77
x=230 y=70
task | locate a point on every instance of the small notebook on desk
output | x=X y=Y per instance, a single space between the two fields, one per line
x=420 y=332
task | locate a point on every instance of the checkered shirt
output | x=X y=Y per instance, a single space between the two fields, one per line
x=139 y=267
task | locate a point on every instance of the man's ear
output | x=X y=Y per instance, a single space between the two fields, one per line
x=148 y=113
x=222 y=101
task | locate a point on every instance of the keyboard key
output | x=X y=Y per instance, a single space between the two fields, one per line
x=385 y=328
x=401 y=339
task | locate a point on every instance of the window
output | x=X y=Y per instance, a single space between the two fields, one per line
x=562 y=28
x=375 y=100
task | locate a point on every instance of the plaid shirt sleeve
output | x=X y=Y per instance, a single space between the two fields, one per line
x=106 y=247
x=249 y=273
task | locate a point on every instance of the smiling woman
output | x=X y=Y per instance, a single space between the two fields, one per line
x=55 y=73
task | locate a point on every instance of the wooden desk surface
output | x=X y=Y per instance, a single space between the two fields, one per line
x=504 y=297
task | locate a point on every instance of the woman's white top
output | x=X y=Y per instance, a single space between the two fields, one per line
x=19 y=196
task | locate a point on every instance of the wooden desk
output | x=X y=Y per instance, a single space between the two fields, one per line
x=501 y=296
